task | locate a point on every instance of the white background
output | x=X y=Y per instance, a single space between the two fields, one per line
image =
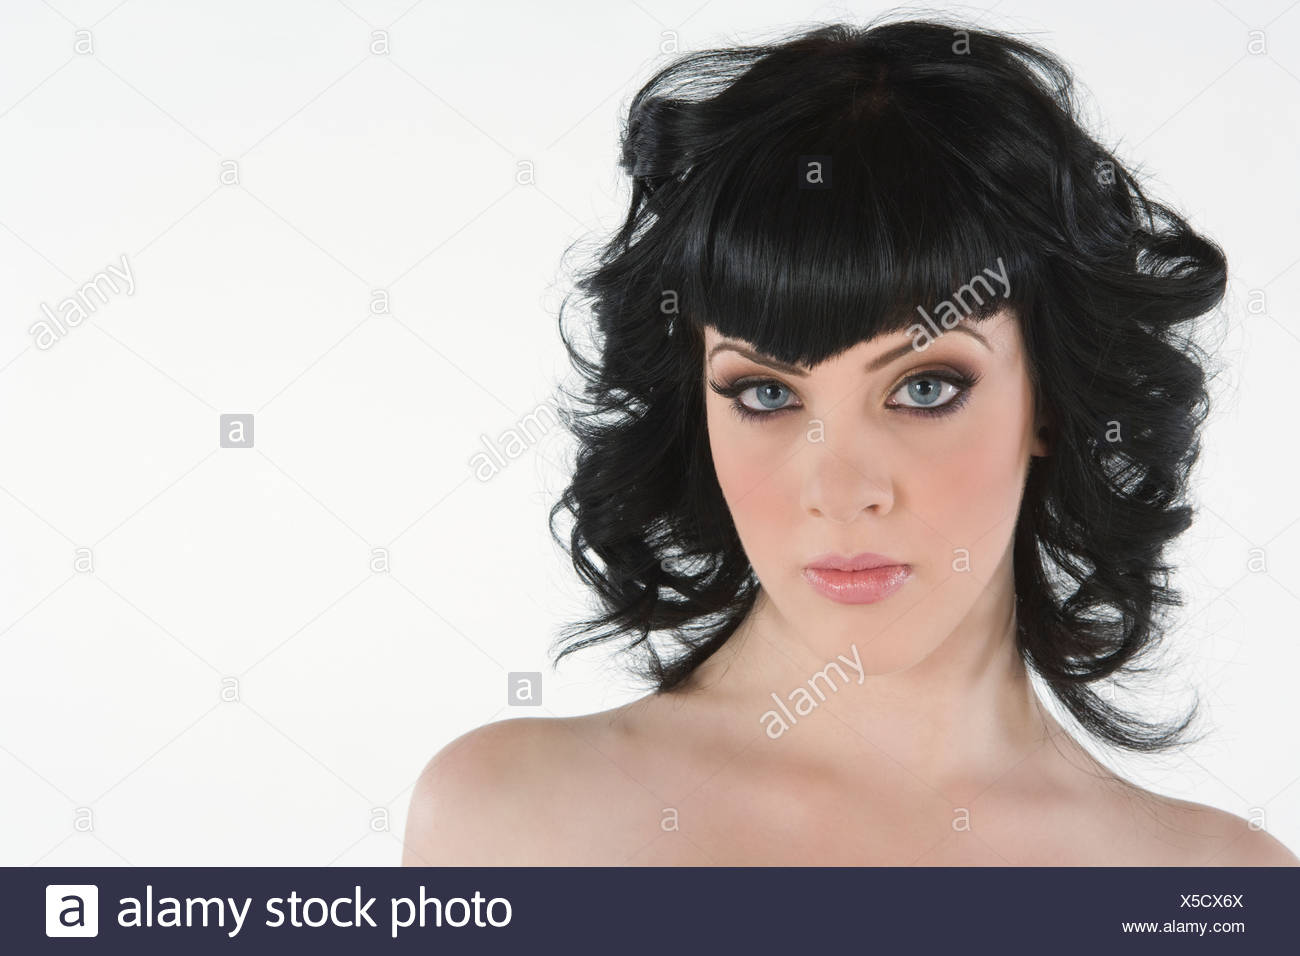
x=399 y=172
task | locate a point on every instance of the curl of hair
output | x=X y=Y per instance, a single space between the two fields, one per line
x=950 y=149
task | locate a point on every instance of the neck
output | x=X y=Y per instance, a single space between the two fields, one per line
x=961 y=712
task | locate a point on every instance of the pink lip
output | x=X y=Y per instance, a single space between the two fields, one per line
x=858 y=562
x=858 y=587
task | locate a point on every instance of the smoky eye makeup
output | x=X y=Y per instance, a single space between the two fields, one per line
x=928 y=393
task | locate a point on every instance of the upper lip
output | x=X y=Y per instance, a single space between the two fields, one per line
x=856 y=562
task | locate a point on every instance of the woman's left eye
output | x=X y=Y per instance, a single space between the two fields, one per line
x=934 y=394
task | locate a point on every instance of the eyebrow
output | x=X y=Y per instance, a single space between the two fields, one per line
x=874 y=365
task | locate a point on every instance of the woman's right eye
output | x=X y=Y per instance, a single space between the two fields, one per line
x=768 y=397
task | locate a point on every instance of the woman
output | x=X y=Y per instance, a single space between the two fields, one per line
x=892 y=409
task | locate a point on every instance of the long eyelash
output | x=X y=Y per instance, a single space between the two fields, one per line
x=733 y=390
x=962 y=380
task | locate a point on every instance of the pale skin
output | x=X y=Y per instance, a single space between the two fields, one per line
x=931 y=749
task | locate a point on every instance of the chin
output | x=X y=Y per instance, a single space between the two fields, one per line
x=885 y=637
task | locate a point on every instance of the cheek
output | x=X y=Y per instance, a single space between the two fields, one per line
x=753 y=465
x=970 y=491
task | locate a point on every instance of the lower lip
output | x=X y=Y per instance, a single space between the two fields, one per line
x=858 y=587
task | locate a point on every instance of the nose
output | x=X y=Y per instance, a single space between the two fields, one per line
x=841 y=482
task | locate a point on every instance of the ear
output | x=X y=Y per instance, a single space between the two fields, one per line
x=1044 y=432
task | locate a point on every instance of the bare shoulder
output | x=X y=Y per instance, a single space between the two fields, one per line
x=471 y=787
x=529 y=791
x=1223 y=838
x=1142 y=827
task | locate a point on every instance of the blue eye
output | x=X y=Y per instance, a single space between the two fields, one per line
x=925 y=392
x=768 y=396
x=768 y=393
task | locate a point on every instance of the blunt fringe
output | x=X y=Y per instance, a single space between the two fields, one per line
x=946 y=150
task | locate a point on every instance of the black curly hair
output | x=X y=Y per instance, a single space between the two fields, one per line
x=948 y=148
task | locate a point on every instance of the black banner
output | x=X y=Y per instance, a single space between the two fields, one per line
x=650 y=910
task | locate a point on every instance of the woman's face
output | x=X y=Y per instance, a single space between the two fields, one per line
x=882 y=449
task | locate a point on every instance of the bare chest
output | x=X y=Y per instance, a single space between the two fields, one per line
x=736 y=818
x=849 y=833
